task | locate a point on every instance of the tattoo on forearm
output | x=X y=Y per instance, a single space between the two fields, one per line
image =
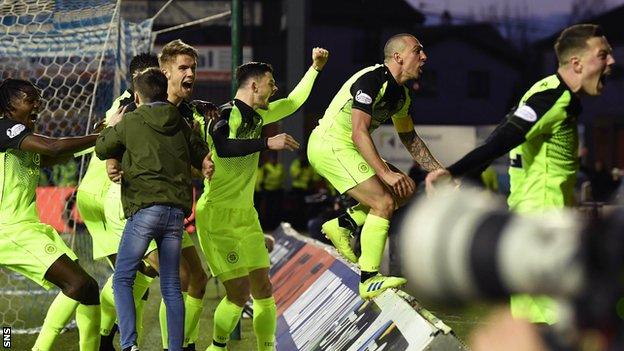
x=419 y=151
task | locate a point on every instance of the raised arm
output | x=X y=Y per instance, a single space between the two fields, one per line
x=284 y=107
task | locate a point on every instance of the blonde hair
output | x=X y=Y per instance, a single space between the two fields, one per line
x=173 y=49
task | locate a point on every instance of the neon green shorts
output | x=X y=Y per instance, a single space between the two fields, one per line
x=341 y=164
x=91 y=208
x=30 y=248
x=232 y=240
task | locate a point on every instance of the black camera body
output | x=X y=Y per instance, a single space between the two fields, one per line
x=459 y=246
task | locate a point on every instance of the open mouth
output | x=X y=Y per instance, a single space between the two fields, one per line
x=603 y=78
x=187 y=85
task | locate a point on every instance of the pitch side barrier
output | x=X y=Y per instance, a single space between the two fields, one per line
x=318 y=307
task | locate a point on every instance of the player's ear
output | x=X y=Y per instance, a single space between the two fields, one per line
x=254 y=85
x=397 y=57
x=576 y=63
x=166 y=72
x=137 y=100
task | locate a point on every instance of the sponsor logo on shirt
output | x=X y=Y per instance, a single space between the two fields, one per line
x=15 y=130
x=363 y=98
x=526 y=113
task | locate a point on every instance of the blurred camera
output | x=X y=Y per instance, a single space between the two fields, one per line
x=459 y=246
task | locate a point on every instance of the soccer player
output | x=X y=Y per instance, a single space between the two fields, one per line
x=99 y=203
x=158 y=147
x=541 y=137
x=227 y=223
x=341 y=150
x=28 y=246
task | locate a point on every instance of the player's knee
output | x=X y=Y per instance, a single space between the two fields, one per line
x=185 y=273
x=384 y=204
x=239 y=294
x=83 y=289
x=263 y=289
x=198 y=282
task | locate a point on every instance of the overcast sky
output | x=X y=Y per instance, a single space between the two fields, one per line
x=535 y=7
x=543 y=17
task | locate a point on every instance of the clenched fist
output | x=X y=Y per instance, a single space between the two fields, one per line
x=319 y=58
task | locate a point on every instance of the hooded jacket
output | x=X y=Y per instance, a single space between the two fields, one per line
x=157 y=148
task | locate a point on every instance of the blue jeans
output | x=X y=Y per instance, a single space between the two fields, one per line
x=164 y=225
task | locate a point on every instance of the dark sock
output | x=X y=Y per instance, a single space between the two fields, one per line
x=216 y=343
x=189 y=347
x=366 y=275
x=106 y=341
x=345 y=221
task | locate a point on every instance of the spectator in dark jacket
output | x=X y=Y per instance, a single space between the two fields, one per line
x=157 y=148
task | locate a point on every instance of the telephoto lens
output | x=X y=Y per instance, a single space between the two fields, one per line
x=463 y=245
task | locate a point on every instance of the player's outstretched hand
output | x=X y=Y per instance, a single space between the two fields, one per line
x=208 y=166
x=401 y=185
x=435 y=178
x=116 y=117
x=281 y=142
x=319 y=58
x=113 y=169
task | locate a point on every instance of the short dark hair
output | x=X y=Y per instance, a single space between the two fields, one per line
x=13 y=89
x=141 y=62
x=394 y=44
x=573 y=39
x=151 y=85
x=251 y=70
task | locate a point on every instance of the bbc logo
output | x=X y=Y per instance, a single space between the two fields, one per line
x=6 y=337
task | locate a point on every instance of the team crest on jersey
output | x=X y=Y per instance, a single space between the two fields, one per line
x=232 y=257
x=50 y=249
x=363 y=167
x=15 y=130
x=36 y=159
x=363 y=98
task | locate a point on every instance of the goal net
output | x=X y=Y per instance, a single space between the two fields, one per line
x=77 y=53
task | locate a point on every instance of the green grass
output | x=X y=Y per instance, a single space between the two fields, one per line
x=68 y=341
x=28 y=311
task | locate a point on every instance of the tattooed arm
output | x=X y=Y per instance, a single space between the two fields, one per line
x=415 y=145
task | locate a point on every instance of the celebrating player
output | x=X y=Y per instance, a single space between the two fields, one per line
x=227 y=223
x=28 y=246
x=541 y=137
x=341 y=150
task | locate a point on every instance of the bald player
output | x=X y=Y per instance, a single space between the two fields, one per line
x=341 y=150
